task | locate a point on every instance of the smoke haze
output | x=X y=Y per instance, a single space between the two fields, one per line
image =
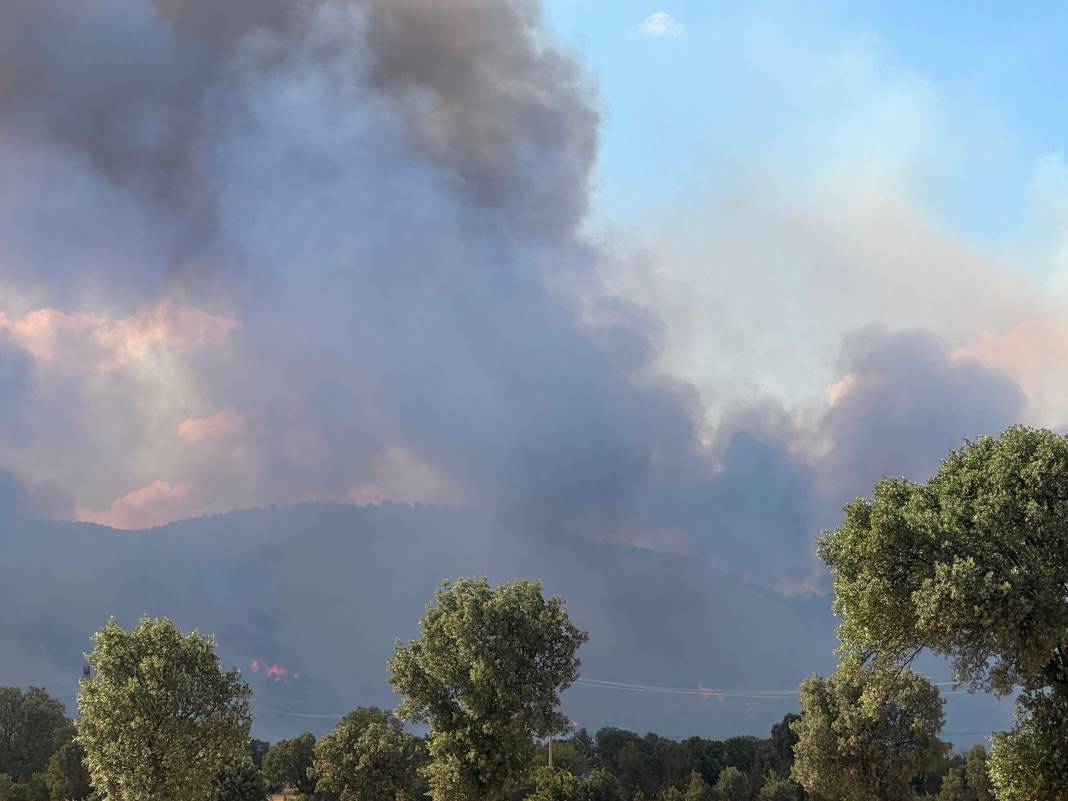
x=263 y=253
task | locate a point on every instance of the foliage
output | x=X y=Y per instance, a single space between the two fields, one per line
x=697 y=788
x=1027 y=763
x=601 y=785
x=240 y=780
x=368 y=757
x=33 y=789
x=553 y=784
x=32 y=726
x=257 y=750
x=972 y=565
x=629 y=757
x=778 y=788
x=783 y=739
x=702 y=760
x=866 y=741
x=160 y=716
x=953 y=786
x=568 y=754
x=486 y=673
x=732 y=785
x=978 y=774
x=584 y=746
x=66 y=774
x=287 y=762
x=6 y=787
x=648 y=763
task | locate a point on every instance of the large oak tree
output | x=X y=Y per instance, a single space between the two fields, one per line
x=33 y=725
x=485 y=673
x=159 y=716
x=861 y=740
x=369 y=757
x=971 y=565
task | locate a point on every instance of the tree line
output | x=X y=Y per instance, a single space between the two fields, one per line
x=971 y=565
x=369 y=755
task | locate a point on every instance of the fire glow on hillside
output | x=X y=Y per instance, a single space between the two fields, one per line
x=275 y=673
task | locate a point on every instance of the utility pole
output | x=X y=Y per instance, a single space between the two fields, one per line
x=550 y=752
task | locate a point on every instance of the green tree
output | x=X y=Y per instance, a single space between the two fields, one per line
x=159 y=717
x=861 y=740
x=697 y=788
x=971 y=565
x=287 y=762
x=584 y=746
x=744 y=752
x=66 y=775
x=626 y=756
x=978 y=775
x=240 y=780
x=732 y=785
x=953 y=786
x=777 y=788
x=1027 y=763
x=553 y=784
x=7 y=787
x=669 y=792
x=368 y=757
x=601 y=785
x=486 y=673
x=567 y=755
x=705 y=756
x=33 y=789
x=32 y=726
x=781 y=744
x=257 y=750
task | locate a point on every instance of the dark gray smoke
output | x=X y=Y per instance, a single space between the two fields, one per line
x=907 y=404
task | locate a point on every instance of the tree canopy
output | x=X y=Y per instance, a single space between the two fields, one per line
x=66 y=775
x=972 y=565
x=287 y=762
x=553 y=784
x=159 y=716
x=485 y=673
x=732 y=785
x=866 y=741
x=778 y=788
x=161 y=719
x=1029 y=762
x=978 y=774
x=368 y=757
x=32 y=726
x=240 y=780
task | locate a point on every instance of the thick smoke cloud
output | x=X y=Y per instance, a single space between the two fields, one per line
x=14 y=390
x=331 y=251
x=902 y=402
x=385 y=195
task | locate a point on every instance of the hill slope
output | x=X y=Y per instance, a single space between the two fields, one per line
x=324 y=590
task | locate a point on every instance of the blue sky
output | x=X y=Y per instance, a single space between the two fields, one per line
x=775 y=80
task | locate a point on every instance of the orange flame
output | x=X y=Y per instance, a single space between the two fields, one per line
x=276 y=673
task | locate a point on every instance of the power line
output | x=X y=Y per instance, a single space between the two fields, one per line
x=654 y=689
x=317 y=716
x=708 y=692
